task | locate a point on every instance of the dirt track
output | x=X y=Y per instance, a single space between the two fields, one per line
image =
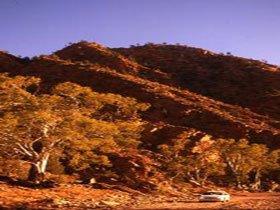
x=238 y=201
x=85 y=197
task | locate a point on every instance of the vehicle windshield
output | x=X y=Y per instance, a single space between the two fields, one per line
x=213 y=193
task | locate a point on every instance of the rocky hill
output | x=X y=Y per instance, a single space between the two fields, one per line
x=190 y=90
x=233 y=80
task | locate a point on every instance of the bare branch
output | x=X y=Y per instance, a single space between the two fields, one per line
x=30 y=162
x=19 y=151
x=55 y=143
x=45 y=130
x=30 y=146
x=24 y=150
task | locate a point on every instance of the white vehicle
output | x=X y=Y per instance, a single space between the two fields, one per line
x=214 y=196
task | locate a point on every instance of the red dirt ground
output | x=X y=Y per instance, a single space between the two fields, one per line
x=85 y=197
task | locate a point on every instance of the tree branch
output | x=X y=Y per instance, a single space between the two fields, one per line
x=24 y=150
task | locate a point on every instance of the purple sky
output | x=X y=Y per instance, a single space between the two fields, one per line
x=247 y=28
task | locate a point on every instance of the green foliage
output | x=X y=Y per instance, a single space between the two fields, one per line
x=212 y=158
x=243 y=158
x=72 y=123
x=108 y=107
x=193 y=162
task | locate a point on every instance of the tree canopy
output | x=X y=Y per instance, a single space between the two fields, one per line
x=72 y=120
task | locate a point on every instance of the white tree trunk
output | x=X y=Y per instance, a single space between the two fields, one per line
x=37 y=172
x=42 y=164
x=257 y=181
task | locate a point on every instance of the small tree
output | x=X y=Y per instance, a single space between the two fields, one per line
x=194 y=163
x=203 y=161
x=30 y=138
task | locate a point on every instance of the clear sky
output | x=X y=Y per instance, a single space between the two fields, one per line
x=247 y=28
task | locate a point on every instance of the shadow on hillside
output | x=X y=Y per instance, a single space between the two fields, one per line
x=28 y=184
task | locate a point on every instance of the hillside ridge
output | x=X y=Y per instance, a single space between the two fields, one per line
x=104 y=70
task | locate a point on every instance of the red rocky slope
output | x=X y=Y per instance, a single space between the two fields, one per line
x=174 y=109
x=249 y=83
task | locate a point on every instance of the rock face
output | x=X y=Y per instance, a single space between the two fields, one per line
x=190 y=90
x=234 y=80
